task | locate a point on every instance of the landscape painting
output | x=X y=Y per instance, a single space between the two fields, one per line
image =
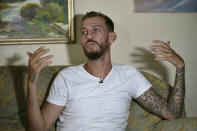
x=36 y=21
x=165 y=6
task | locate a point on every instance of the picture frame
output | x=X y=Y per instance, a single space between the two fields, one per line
x=165 y=6
x=36 y=22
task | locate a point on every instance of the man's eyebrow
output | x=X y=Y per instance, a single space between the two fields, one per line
x=83 y=27
x=98 y=26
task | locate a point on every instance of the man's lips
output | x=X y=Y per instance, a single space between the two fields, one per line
x=89 y=43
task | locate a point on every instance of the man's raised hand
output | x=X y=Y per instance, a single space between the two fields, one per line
x=37 y=62
x=164 y=52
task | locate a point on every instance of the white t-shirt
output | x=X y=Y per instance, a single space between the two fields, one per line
x=94 y=106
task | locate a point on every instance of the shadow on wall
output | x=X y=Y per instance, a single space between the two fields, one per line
x=75 y=51
x=13 y=60
x=18 y=75
x=144 y=58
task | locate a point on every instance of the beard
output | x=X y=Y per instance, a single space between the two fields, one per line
x=93 y=55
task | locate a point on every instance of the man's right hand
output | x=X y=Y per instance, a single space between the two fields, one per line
x=36 y=63
x=39 y=119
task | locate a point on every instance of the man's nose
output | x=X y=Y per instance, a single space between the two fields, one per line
x=89 y=34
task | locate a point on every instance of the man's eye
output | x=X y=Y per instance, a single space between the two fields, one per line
x=97 y=30
x=83 y=32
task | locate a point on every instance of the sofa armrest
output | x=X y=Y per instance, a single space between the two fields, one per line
x=183 y=124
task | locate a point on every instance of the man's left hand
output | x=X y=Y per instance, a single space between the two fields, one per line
x=164 y=52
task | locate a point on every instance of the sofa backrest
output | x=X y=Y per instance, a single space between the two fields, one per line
x=13 y=81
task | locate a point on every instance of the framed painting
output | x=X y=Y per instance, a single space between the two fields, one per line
x=36 y=21
x=165 y=6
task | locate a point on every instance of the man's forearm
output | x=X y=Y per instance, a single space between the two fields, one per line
x=35 y=120
x=176 y=99
x=36 y=63
x=152 y=101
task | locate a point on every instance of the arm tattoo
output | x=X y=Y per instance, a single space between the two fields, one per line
x=33 y=78
x=155 y=103
x=176 y=99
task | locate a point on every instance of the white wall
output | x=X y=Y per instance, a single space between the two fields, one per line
x=135 y=33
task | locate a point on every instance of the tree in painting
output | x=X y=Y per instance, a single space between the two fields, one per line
x=34 y=18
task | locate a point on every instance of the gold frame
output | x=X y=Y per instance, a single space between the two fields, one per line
x=69 y=39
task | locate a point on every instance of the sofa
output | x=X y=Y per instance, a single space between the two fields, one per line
x=13 y=81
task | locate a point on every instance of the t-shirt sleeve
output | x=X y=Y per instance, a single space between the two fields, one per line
x=59 y=91
x=140 y=84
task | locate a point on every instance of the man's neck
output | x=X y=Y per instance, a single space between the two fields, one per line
x=99 y=68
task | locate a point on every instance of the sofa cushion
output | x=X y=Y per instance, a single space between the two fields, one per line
x=139 y=118
x=189 y=124
x=13 y=81
x=12 y=98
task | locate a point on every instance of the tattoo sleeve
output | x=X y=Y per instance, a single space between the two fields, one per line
x=176 y=99
x=33 y=78
x=170 y=109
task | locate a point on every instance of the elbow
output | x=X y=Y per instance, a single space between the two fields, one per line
x=173 y=116
x=32 y=127
x=170 y=118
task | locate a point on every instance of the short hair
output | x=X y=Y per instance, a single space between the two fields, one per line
x=108 y=21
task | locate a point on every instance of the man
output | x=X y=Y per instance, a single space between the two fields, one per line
x=96 y=96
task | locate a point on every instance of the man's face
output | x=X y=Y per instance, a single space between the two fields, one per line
x=94 y=37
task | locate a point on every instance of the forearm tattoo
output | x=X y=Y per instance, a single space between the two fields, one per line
x=154 y=103
x=170 y=109
x=33 y=78
x=176 y=99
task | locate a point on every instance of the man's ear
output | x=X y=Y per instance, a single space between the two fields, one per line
x=112 y=37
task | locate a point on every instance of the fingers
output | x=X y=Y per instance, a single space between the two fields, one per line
x=29 y=54
x=164 y=52
x=162 y=58
x=37 y=62
x=37 y=56
x=165 y=45
x=160 y=45
x=38 y=50
x=44 y=61
x=160 y=42
x=168 y=43
x=34 y=57
x=44 y=64
x=38 y=53
x=161 y=48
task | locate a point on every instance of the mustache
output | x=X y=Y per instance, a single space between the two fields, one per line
x=91 y=41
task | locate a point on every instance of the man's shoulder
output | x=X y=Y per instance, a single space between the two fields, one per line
x=120 y=67
x=71 y=69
